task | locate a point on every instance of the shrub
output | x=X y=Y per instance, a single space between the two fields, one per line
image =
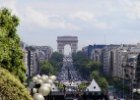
x=11 y=88
x=83 y=86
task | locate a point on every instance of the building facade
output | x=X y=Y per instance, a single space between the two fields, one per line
x=109 y=59
x=113 y=57
x=33 y=55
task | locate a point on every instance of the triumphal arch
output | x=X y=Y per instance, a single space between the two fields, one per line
x=64 y=40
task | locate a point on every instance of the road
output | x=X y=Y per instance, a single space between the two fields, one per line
x=68 y=75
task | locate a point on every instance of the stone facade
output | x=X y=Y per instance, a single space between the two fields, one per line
x=64 y=40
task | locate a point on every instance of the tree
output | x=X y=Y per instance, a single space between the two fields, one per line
x=57 y=61
x=102 y=83
x=84 y=65
x=92 y=65
x=95 y=75
x=89 y=69
x=46 y=68
x=83 y=86
x=80 y=61
x=11 y=88
x=11 y=55
x=58 y=57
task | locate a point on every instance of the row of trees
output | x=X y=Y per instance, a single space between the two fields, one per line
x=89 y=69
x=53 y=65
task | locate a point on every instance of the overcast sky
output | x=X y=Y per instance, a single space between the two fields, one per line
x=93 y=21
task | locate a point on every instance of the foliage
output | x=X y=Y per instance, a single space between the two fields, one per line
x=83 y=86
x=46 y=68
x=80 y=61
x=95 y=75
x=57 y=61
x=103 y=83
x=11 y=55
x=84 y=65
x=92 y=65
x=89 y=69
x=60 y=86
x=11 y=88
x=56 y=57
x=53 y=65
x=93 y=68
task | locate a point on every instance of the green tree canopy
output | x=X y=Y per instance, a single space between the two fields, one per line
x=80 y=61
x=11 y=88
x=84 y=65
x=57 y=61
x=56 y=57
x=92 y=65
x=46 y=68
x=89 y=69
x=11 y=55
x=95 y=75
x=103 y=83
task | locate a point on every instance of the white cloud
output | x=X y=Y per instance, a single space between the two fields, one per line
x=132 y=8
x=90 y=19
x=136 y=9
x=33 y=16
x=64 y=17
x=102 y=25
x=83 y=15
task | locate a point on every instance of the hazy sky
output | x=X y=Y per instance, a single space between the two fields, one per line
x=93 y=21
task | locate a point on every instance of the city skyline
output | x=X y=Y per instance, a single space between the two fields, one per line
x=100 y=22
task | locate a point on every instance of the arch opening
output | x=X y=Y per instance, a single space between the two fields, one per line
x=67 y=49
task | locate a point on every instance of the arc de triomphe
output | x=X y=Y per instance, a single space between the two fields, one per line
x=64 y=40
